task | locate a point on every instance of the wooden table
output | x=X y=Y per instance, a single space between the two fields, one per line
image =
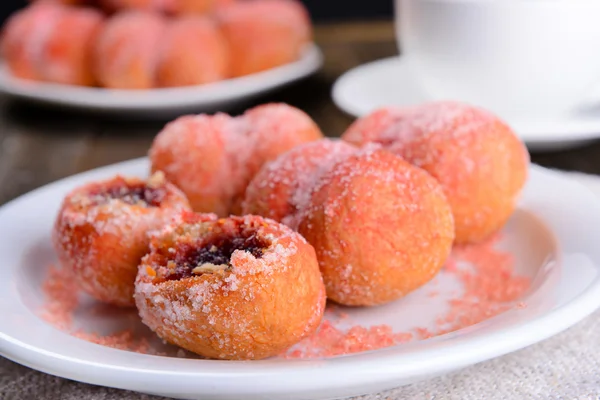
x=40 y=145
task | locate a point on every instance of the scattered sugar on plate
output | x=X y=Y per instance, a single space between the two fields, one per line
x=123 y=340
x=487 y=275
x=491 y=287
x=62 y=298
x=62 y=302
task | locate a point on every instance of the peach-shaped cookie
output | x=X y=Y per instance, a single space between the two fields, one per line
x=272 y=129
x=277 y=127
x=101 y=232
x=236 y=288
x=198 y=153
x=38 y=43
x=21 y=31
x=380 y=226
x=213 y=158
x=67 y=55
x=128 y=50
x=282 y=188
x=193 y=52
x=263 y=34
x=477 y=158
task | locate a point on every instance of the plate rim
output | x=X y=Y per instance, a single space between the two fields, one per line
x=383 y=365
x=119 y=100
x=578 y=129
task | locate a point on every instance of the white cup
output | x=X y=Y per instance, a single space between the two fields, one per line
x=514 y=57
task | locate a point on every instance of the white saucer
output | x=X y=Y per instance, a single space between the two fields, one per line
x=218 y=96
x=553 y=237
x=390 y=82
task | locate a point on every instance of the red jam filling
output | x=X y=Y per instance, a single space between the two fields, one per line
x=217 y=252
x=138 y=194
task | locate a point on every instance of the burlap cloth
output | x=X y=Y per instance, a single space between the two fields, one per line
x=566 y=366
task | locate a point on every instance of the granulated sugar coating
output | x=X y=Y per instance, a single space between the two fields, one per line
x=194 y=52
x=381 y=228
x=237 y=288
x=38 y=43
x=125 y=53
x=263 y=34
x=101 y=231
x=212 y=158
x=274 y=129
x=487 y=275
x=491 y=286
x=282 y=189
x=476 y=157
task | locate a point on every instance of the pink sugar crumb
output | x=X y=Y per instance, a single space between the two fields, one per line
x=330 y=340
x=490 y=285
x=62 y=296
x=124 y=340
x=424 y=333
x=451 y=265
x=490 y=288
x=521 y=305
x=62 y=300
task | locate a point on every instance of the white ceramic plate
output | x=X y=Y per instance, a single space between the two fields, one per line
x=168 y=101
x=553 y=236
x=390 y=81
